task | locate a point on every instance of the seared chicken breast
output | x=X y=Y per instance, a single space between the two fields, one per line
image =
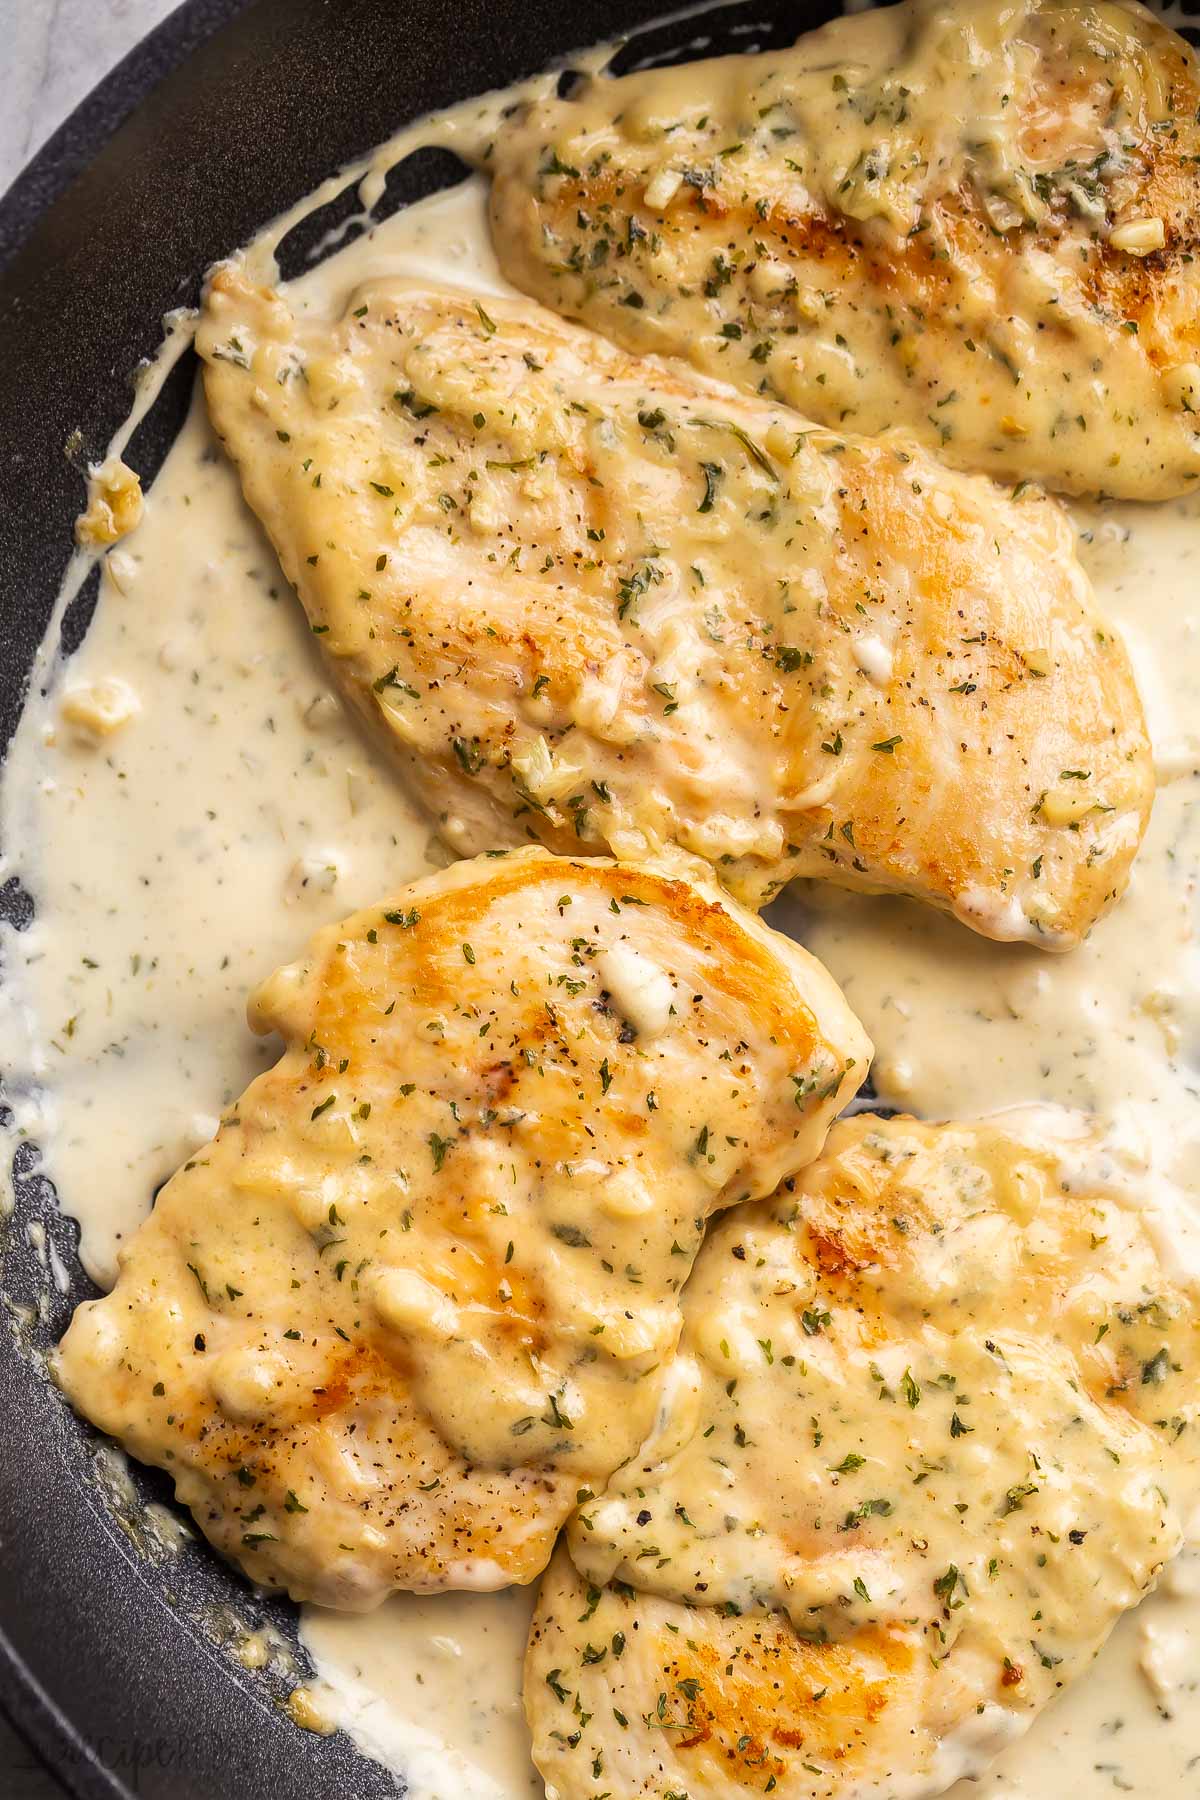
x=613 y=606
x=421 y=1287
x=977 y=220
x=927 y=1436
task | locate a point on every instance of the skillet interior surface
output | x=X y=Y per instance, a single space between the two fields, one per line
x=110 y=1658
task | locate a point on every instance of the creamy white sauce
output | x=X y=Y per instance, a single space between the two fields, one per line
x=208 y=806
x=176 y=861
x=232 y=808
x=963 y=1025
x=431 y=1684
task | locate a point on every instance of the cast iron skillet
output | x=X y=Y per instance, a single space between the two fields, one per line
x=109 y=1658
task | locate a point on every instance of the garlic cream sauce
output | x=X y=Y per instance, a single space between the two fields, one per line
x=189 y=802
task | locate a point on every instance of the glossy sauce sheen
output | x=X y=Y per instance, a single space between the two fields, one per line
x=927 y=1436
x=193 y=804
x=620 y=608
x=420 y=1290
x=972 y=219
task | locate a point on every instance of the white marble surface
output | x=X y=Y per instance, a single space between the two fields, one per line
x=52 y=53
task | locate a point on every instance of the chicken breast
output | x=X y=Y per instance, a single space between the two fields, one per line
x=611 y=606
x=926 y=1438
x=421 y=1287
x=977 y=220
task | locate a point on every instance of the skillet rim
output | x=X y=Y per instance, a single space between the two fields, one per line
x=35 y=1718
x=69 y=149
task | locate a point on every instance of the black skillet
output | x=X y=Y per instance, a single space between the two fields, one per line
x=220 y=119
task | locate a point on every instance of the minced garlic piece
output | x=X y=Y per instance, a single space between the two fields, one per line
x=302 y=1709
x=1139 y=237
x=114 y=504
x=101 y=707
x=662 y=187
